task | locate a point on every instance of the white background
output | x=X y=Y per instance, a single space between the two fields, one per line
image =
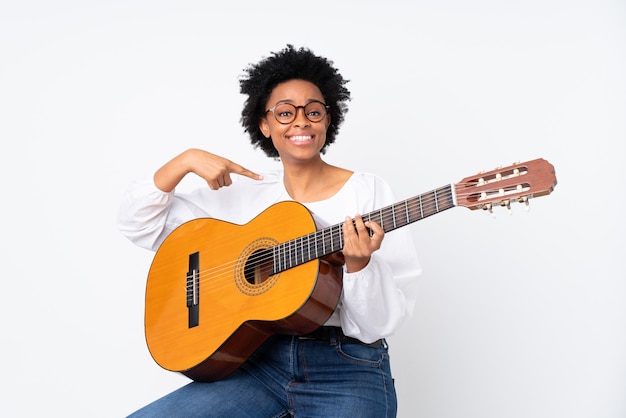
x=521 y=316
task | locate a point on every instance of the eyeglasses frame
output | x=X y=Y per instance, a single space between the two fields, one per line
x=295 y=115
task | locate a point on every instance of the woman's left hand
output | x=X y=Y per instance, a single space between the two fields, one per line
x=360 y=239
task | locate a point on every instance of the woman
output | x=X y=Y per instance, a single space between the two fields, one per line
x=295 y=105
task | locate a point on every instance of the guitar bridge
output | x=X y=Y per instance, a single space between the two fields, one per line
x=193 y=290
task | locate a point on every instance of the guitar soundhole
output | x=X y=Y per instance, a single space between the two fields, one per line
x=258 y=267
x=254 y=267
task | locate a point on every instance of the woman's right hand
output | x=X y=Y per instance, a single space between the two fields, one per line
x=215 y=170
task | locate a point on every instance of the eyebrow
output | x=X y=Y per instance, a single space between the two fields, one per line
x=290 y=101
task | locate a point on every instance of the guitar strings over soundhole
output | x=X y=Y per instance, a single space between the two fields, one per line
x=253 y=272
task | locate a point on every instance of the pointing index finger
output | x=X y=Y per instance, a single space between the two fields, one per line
x=242 y=171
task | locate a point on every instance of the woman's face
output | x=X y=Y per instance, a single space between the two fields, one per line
x=300 y=139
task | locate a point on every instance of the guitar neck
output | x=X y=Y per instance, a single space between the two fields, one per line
x=330 y=240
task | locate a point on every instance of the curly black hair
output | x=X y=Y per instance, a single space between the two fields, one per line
x=291 y=64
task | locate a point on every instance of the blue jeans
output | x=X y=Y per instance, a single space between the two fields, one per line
x=291 y=376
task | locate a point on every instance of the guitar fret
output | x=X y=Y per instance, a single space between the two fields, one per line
x=317 y=244
x=436 y=201
x=340 y=232
x=275 y=261
x=317 y=253
x=406 y=210
x=429 y=209
x=331 y=244
x=279 y=257
x=329 y=240
x=287 y=255
x=308 y=245
x=293 y=254
x=340 y=236
x=299 y=251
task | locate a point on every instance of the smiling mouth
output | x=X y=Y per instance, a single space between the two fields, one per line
x=301 y=138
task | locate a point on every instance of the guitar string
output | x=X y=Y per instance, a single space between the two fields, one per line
x=426 y=206
x=221 y=276
x=386 y=219
x=447 y=193
x=412 y=207
x=219 y=273
x=216 y=271
x=460 y=196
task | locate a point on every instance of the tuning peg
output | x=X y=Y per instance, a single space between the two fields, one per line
x=525 y=201
x=507 y=203
x=489 y=207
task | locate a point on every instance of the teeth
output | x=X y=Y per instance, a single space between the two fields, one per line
x=301 y=138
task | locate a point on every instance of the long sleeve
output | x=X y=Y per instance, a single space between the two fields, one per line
x=143 y=214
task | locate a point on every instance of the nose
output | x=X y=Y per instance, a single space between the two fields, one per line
x=301 y=119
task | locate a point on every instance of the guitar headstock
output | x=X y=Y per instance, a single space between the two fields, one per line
x=517 y=182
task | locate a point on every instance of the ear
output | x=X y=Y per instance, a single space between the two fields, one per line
x=264 y=126
x=327 y=120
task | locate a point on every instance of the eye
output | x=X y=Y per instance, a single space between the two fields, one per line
x=315 y=111
x=284 y=111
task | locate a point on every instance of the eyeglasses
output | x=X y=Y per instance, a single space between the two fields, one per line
x=285 y=113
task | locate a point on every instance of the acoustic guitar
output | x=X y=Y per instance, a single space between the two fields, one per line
x=216 y=290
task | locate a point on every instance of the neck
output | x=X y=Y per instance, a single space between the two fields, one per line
x=302 y=179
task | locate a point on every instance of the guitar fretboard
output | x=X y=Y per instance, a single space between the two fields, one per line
x=330 y=240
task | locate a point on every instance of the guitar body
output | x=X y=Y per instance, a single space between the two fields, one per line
x=212 y=298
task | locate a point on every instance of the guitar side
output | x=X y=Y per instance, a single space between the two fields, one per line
x=206 y=321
